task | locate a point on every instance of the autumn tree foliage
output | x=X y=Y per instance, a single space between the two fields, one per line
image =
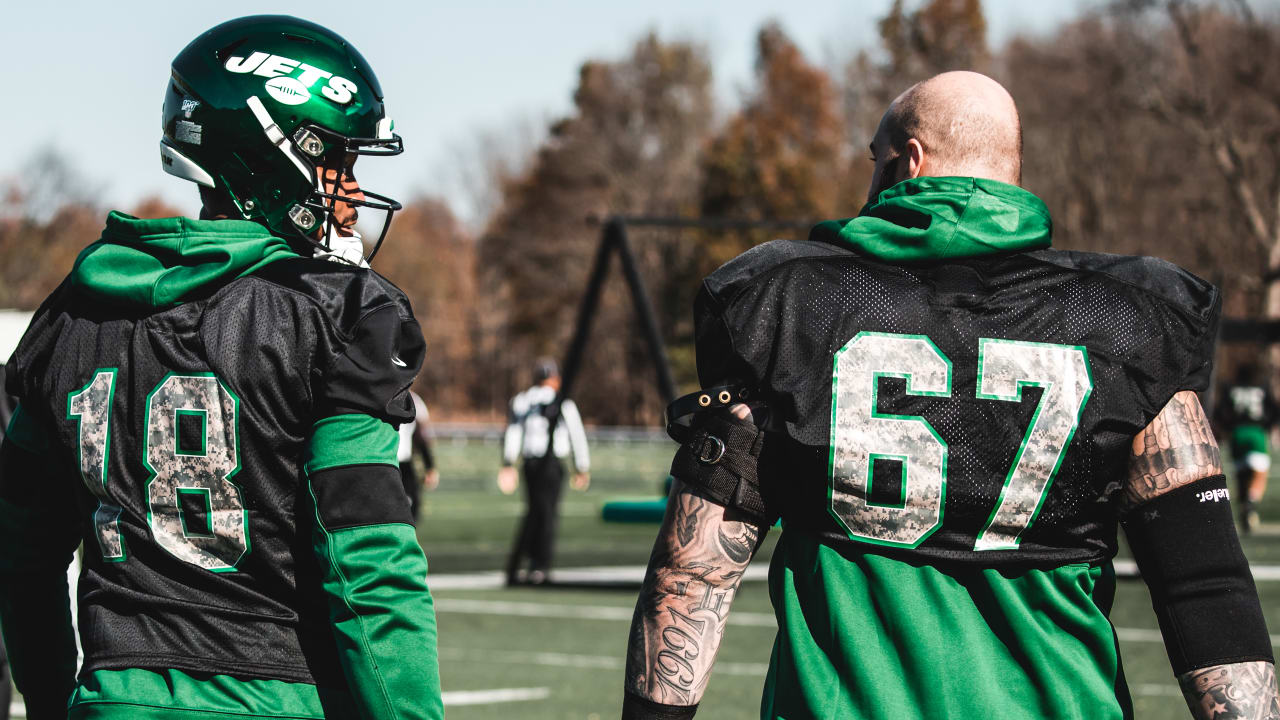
x=783 y=155
x=631 y=146
x=433 y=260
x=50 y=213
x=1155 y=129
x=934 y=37
x=1151 y=127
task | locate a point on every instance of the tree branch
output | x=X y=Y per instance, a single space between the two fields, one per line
x=1222 y=144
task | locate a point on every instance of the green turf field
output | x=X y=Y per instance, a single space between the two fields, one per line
x=562 y=648
x=571 y=640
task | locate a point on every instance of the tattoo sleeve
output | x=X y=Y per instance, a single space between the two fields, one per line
x=1226 y=692
x=693 y=576
x=1177 y=448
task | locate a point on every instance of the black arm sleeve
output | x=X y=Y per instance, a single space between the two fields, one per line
x=1185 y=544
x=635 y=707
x=359 y=495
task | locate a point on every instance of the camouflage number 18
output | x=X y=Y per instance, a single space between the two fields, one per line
x=190 y=449
x=860 y=434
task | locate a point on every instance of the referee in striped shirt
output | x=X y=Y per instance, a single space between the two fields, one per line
x=543 y=470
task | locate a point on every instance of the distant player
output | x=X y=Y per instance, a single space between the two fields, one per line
x=955 y=420
x=528 y=435
x=415 y=438
x=211 y=406
x=1247 y=412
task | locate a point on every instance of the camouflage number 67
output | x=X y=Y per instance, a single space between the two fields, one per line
x=860 y=434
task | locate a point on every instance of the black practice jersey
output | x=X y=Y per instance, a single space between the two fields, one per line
x=974 y=411
x=184 y=434
x=1246 y=404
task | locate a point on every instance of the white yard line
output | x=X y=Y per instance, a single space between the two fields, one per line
x=1154 y=689
x=1139 y=635
x=1261 y=573
x=612 y=664
x=600 y=574
x=635 y=573
x=453 y=698
x=438 y=514
x=575 y=660
x=457 y=698
x=574 y=612
x=618 y=613
x=1153 y=636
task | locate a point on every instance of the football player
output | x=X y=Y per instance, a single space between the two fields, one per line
x=951 y=420
x=211 y=406
x=1248 y=414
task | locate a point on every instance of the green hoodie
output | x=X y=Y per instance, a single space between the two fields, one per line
x=933 y=218
x=165 y=262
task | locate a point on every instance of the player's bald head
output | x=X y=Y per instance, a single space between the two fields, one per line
x=966 y=122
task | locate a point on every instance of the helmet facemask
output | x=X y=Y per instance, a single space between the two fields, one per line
x=313 y=149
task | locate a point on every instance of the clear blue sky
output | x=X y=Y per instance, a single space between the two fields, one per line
x=88 y=77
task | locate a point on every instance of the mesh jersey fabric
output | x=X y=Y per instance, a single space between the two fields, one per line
x=776 y=317
x=864 y=626
x=293 y=342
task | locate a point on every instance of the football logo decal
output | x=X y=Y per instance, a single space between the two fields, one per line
x=288 y=91
x=291 y=82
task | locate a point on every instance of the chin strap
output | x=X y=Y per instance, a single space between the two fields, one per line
x=347 y=249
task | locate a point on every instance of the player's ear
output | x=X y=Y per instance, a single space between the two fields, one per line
x=915 y=157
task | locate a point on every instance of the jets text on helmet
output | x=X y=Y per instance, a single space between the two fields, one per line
x=288 y=87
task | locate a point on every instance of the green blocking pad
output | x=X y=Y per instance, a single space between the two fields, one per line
x=635 y=511
x=638 y=511
x=641 y=511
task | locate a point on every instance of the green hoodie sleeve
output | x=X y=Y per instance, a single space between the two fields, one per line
x=37 y=540
x=373 y=569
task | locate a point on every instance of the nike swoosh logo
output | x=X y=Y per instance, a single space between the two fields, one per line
x=397 y=361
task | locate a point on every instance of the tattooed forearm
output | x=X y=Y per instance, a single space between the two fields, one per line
x=738 y=543
x=1226 y=692
x=693 y=576
x=1177 y=448
x=686 y=520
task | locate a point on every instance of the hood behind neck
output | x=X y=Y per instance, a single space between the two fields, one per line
x=936 y=218
x=164 y=262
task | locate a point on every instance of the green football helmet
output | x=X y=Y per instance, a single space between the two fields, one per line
x=253 y=108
